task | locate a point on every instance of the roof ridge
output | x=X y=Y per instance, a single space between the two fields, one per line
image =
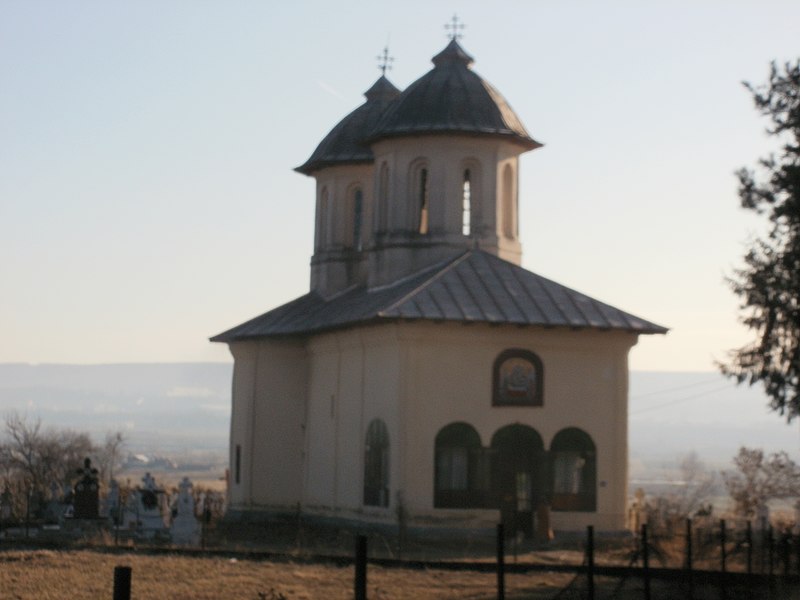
x=436 y=275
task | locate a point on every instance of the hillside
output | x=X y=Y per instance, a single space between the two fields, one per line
x=167 y=408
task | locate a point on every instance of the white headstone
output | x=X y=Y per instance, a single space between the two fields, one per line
x=185 y=528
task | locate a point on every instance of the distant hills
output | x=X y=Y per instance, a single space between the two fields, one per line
x=166 y=408
x=162 y=408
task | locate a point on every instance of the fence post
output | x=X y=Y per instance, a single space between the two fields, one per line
x=786 y=555
x=689 y=574
x=796 y=542
x=122 y=583
x=590 y=561
x=646 y=562
x=501 y=583
x=360 y=591
x=771 y=551
x=722 y=541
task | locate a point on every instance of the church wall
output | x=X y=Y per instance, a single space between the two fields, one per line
x=336 y=263
x=417 y=378
x=354 y=378
x=269 y=397
x=584 y=386
x=403 y=250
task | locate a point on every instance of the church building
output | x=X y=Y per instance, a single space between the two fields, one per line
x=426 y=373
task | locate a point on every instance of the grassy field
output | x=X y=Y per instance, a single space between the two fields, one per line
x=79 y=574
x=51 y=575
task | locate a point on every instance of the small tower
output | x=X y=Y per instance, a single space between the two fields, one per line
x=342 y=164
x=446 y=158
x=410 y=179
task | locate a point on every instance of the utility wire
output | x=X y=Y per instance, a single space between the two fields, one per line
x=676 y=388
x=681 y=400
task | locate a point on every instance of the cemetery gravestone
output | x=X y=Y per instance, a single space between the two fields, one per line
x=86 y=498
x=6 y=504
x=185 y=527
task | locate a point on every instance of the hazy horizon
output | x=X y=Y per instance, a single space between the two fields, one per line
x=173 y=407
x=149 y=201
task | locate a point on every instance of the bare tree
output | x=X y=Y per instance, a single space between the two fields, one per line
x=109 y=455
x=690 y=496
x=759 y=479
x=33 y=458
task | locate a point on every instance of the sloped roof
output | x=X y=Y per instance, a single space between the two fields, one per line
x=451 y=98
x=345 y=144
x=475 y=287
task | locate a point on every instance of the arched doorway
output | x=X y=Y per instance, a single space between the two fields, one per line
x=519 y=476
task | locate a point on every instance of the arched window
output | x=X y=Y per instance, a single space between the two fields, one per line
x=518 y=475
x=461 y=468
x=422 y=201
x=574 y=471
x=418 y=196
x=508 y=204
x=518 y=378
x=358 y=218
x=376 y=465
x=322 y=219
x=382 y=223
x=466 y=204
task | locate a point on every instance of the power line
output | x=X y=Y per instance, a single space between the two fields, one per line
x=681 y=400
x=676 y=388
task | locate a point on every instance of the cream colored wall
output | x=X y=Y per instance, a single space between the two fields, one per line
x=418 y=378
x=354 y=378
x=335 y=265
x=402 y=251
x=269 y=406
x=585 y=386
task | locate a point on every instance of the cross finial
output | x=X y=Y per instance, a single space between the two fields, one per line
x=385 y=61
x=455 y=28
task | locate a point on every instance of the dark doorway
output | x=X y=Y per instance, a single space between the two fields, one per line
x=519 y=476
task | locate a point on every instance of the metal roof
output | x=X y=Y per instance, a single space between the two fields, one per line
x=475 y=287
x=345 y=144
x=451 y=98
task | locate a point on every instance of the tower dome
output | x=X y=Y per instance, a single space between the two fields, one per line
x=452 y=98
x=345 y=144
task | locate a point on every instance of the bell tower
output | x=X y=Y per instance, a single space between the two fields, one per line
x=411 y=179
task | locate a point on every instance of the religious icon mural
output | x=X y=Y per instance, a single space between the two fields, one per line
x=517 y=379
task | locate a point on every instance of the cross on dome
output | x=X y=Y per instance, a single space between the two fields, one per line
x=385 y=61
x=454 y=28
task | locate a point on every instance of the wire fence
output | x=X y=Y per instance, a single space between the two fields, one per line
x=698 y=560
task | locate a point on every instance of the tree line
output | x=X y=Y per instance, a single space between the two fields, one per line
x=39 y=463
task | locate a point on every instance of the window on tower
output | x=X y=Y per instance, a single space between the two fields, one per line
x=358 y=218
x=509 y=205
x=383 y=200
x=422 y=200
x=466 y=207
x=322 y=220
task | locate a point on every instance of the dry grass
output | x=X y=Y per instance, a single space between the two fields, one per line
x=44 y=575
x=47 y=574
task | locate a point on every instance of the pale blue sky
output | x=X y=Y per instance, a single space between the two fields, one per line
x=147 y=198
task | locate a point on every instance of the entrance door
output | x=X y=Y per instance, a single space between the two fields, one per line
x=518 y=476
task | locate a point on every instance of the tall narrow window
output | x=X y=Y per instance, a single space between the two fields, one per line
x=509 y=216
x=383 y=199
x=423 y=201
x=466 y=208
x=237 y=465
x=376 y=465
x=358 y=217
x=322 y=219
